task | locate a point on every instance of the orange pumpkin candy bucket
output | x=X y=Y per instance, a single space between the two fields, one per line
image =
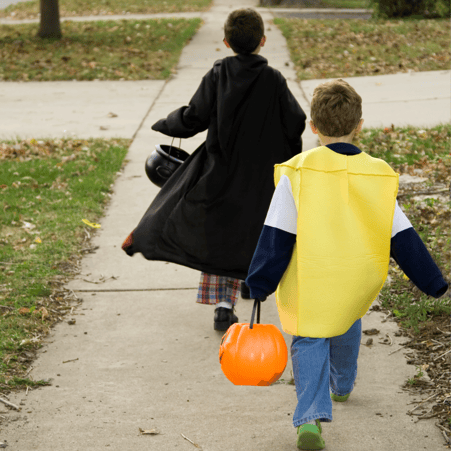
x=253 y=354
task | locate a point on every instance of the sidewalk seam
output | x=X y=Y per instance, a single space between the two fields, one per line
x=298 y=82
x=304 y=95
x=149 y=110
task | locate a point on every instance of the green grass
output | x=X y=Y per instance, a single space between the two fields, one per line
x=127 y=49
x=432 y=221
x=407 y=145
x=414 y=380
x=72 y=8
x=347 y=48
x=48 y=188
x=427 y=151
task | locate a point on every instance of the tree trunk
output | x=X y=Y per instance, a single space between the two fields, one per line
x=50 y=20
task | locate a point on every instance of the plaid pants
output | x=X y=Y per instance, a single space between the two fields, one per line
x=214 y=289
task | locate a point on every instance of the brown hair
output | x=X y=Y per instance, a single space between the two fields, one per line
x=243 y=30
x=336 y=108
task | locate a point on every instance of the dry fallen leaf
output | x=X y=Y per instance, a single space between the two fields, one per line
x=28 y=341
x=371 y=332
x=43 y=311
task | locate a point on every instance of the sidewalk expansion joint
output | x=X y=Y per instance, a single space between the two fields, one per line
x=118 y=290
x=149 y=110
x=273 y=12
x=304 y=95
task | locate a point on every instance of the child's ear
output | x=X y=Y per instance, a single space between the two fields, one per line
x=359 y=127
x=263 y=41
x=226 y=43
x=314 y=129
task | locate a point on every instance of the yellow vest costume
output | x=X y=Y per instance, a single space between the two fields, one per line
x=345 y=208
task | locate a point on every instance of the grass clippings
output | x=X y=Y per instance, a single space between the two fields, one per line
x=78 y=8
x=47 y=188
x=356 y=47
x=123 y=50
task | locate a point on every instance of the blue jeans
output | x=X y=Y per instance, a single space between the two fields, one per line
x=321 y=366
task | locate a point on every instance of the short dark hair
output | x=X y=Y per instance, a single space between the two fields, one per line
x=336 y=108
x=244 y=30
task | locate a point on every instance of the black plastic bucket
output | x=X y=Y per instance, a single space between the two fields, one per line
x=163 y=162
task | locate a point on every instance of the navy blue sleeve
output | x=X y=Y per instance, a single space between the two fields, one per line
x=271 y=258
x=411 y=254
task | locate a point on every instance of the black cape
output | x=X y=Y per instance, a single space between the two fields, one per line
x=209 y=214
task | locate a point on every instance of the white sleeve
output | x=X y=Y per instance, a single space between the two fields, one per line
x=400 y=221
x=282 y=213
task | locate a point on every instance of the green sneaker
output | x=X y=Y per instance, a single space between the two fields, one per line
x=309 y=436
x=339 y=398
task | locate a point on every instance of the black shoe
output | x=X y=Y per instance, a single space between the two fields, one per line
x=245 y=292
x=224 y=318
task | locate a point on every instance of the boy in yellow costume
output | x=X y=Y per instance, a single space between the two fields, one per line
x=331 y=228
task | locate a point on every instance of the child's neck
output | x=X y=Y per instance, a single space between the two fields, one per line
x=255 y=52
x=325 y=140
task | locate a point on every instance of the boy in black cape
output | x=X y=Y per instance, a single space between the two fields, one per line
x=209 y=214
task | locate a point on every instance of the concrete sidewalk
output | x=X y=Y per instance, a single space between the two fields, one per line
x=143 y=353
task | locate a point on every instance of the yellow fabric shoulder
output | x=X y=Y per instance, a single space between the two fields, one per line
x=340 y=261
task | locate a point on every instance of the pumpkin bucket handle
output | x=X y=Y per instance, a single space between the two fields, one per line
x=257 y=304
x=221 y=346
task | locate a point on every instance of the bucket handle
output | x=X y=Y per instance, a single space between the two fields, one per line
x=257 y=304
x=170 y=147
